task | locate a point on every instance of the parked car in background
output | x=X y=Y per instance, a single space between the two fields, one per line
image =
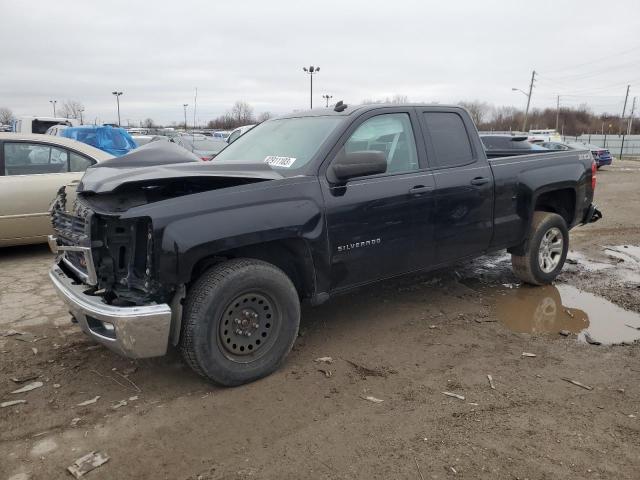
x=32 y=170
x=142 y=139
x=115 y=141
x=6 y=128
x=202 y=146
x=56 y=130
x=602 y=156
x=40 y=124
x=221 y=135
x=233 y=136
x=548 y=135
x=509 y=145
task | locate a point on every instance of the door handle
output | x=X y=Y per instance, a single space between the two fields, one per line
x=419 y=189
x=479 y=181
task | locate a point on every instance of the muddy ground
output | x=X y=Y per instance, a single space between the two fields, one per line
x=404 y=342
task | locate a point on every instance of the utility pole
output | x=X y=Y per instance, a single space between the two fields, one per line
x=526 y=112
x=117 y=94
x=311 y=71
x=195 y=107
x=630 y=123
x=624 y=108
x=80 y=111
x=557 y=113
x=53 y=102
x=185 y=105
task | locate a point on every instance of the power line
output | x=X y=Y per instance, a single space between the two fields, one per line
x=597 y=60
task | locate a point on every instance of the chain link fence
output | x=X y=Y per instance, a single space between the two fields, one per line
x=621 y=146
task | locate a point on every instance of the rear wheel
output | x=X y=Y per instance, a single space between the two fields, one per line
x=240 y=320
x=546 y=251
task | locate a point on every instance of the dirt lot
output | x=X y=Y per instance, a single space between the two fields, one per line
x=404 y=342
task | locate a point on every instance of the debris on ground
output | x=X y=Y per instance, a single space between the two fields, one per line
x=564 y=333
x=87 y=463
x=568 y=312
x=327 y=372
x=121 y=403
x=26 y=378
x=34 y=350
x=590 y=340
x=29 y=387
x=491 y=384
x=575 y=382
x=454 y=395
x=75 y=421
x=89 y=402
x=11 y=403
x=372 y=399
x=527 y=354
x=25 y=337
x=10 y=333
x=324 y=360
x=365 y=372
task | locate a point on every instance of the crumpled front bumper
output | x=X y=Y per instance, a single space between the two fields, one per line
x=134 y=332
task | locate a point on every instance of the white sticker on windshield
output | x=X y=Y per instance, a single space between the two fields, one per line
x=275 y=161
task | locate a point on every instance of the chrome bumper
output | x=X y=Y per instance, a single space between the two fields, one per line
x=134 y=332
x=90 y=276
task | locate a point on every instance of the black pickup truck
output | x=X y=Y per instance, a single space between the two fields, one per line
x=215 y=257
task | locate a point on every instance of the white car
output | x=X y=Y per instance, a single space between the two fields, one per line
x=41 y=124
x=56 y=130
x=539 y=136
x=233 y=136
x=32 y=170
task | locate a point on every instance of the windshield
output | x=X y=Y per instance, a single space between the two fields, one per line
x=285 y=144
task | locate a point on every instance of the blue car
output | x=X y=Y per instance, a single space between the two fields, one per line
x=115 y=141
x=601 y=156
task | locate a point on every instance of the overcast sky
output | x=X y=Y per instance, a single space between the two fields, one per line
x=158 y=51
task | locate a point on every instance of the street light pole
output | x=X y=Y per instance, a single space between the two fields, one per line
x=528 y=95
x=117 y=94
x=327 y=97
x=53 y=102
x=185 y=105
x=311 y=71
x=557 y=113
x=81 y=111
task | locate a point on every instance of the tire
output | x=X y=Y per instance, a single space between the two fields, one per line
x=240 y=321
x=546 y=227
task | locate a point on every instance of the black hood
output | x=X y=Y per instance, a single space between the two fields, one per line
x=163 y=160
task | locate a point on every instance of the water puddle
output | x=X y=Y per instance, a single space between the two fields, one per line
x=550 y=309
x=624 y=263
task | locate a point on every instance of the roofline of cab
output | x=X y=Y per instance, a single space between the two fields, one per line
x=324 y=112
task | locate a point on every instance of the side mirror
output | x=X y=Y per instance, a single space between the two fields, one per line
x=358 y=164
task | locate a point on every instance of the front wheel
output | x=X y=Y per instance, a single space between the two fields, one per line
x=546 y=251
x=240 y=320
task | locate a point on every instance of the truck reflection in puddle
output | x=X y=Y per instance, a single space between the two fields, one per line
x=550 y=309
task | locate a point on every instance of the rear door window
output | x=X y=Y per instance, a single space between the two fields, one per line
x=31 y=159
x=449 y=138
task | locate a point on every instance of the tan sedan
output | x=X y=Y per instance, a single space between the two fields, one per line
x=32 y=169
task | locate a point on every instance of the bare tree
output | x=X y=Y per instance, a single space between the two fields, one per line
x=264 y=116
x=147 y=123
x=397 y=98
x=242 y=113
x=6 y=116
x=479 y=111
x=72 y=109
